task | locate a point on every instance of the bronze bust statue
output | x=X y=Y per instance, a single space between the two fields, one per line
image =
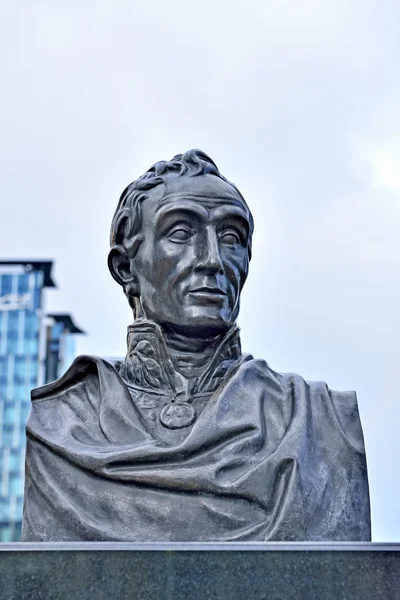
x=188 y=438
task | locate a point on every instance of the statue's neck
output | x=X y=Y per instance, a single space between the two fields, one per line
x=190 y=355
x=186 y=358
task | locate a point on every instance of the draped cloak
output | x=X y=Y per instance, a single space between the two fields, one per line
x=269 y=457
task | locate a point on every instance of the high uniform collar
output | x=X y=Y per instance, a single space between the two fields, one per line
x=148 y=364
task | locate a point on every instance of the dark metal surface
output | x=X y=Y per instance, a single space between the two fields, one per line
x=188 y=439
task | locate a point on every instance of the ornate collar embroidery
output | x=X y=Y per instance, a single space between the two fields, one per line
x=148 y=368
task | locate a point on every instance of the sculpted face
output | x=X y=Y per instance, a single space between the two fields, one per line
x=193 y=261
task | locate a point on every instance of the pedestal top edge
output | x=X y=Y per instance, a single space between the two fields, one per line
x=201 y=546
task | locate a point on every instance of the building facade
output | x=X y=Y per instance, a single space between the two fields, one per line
x=35 y=348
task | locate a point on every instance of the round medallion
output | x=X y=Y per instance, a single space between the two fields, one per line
x=177 y=415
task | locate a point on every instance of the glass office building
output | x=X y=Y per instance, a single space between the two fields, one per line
x=35 y=348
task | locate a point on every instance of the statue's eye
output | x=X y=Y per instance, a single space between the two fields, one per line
x=230 y=237
x=180 y=235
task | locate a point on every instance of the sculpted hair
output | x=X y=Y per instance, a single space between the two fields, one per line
x=126 y=223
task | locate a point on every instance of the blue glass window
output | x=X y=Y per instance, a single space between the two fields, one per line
x=56 y=330
x=33 y=371
x=13 y=319
x=70 y=351
x=21 y=391
x=37 y=296
x=5 y=532
x=8 y=434
x=20 y=504
x=22 y=433
x=31 y=324
x=14 y=460
x=17 y=528
x=6 y=284
x=3 y=366
x=31 y=346
x=4 y=509
x=12 y=334
x=12 y=344
x=15 y=484
x=19 y=367
x=25 y=410
x=9 y=413
x=23 y=284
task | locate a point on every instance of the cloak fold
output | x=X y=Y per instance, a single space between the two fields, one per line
x=270 y=457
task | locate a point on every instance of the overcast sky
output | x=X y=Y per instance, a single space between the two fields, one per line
x=297 y=101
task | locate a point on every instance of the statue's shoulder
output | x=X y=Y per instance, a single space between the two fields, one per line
x=323 y=402
x=315 y=400
x=73 y=401
x=294 y=380
x=83 y=376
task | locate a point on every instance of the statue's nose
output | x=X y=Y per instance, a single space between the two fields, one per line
x=209 y=255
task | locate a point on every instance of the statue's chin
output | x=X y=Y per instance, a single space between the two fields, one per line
x=198 y=330
x=197 y=321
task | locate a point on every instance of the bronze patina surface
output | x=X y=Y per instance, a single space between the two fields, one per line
x=189 y=439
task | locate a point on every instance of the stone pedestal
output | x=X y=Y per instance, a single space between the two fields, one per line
x=177 y=571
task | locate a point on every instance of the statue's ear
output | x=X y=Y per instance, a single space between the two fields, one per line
x=120 y=268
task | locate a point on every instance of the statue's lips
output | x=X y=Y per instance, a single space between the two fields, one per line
x=208 y=293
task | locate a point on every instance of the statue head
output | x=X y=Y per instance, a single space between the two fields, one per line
x=181 y=245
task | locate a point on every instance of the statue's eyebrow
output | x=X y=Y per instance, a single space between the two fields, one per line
x=180 y=207
x=236 y=221
x=230 y=214
x=234 y=212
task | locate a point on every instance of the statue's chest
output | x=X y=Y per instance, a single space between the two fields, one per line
x=167 y=415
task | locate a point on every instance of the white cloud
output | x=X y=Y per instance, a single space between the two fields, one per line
x=384 y=164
